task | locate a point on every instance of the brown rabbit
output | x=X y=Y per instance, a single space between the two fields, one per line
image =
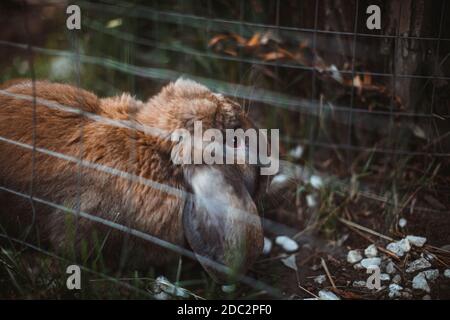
x=229 y=234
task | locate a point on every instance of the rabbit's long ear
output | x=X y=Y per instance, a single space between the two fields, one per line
x=222 y=222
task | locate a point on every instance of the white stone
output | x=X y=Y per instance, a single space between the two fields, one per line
x=354 y=256
x=228 y=288
x=417 y=265
x=360 y=284
x=279 y=179
x=371 y=251
x=399 y=247
x=416 y=241
x=390 y=267
x=267 y=246
x=447 y=273
x=316 y=181
x=311 y=201
x=320 y=279
x=335 y=74
x=420 y=283
x=402 y=222
x=162 y=284
x=366 y=263
x=397 y=279
x=431 y=274
x=297 y=152
x=395 y=290
x=327 y=295
x=162 y=296
x=428 y=256
x=358 y=266
x=286 y=243
x=385 y=277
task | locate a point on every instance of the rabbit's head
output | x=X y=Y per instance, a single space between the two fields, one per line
x=220 y=219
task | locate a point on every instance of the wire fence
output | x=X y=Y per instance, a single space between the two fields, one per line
x=346 y=113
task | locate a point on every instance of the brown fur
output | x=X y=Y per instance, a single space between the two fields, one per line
x=117 y=199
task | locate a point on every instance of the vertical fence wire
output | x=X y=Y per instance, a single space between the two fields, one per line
x=353 y=73
x=30 y=58
x=435 y=70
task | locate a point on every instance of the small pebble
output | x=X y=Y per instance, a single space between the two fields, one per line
x=428 y=256
x=162 y=284
x=420 y=283
x=229 y=288
x=418 y=264
x=316 y=267
x=385 y=277
x=399 y=247
x=267 y=246
x=358 y=266
x=447 y=273
x=290 y=262
x=371 y=251
x=354 y=256
x=366 y=263
x=162 y=296
x=297 y=152
x=416 y=241
x=359 y=284
x=279 y=179
x=390 y=267
x=286 y=243
x=397 y=279
x=395 y=290
x=316 y=181
x=311 y=201
x=327 y=295
x=431 y=274
x=426 y=297
x=402 y=222
x=320 y=279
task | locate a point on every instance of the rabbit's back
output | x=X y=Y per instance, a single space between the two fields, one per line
x=119 y=181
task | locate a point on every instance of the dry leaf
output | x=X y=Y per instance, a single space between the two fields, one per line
x=254 y=40
x=216 y=39
x=357 y=83
x=367 y=80
x=241 y=40
x=286 y=53
x=114 y=23
x=272 y=56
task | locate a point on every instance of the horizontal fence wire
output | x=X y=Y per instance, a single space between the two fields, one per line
x=231 y=89
x=145 y=12
x=257 y=284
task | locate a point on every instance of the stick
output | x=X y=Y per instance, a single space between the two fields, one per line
x=324 y=265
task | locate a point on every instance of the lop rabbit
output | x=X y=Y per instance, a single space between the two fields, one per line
x=126 y=175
